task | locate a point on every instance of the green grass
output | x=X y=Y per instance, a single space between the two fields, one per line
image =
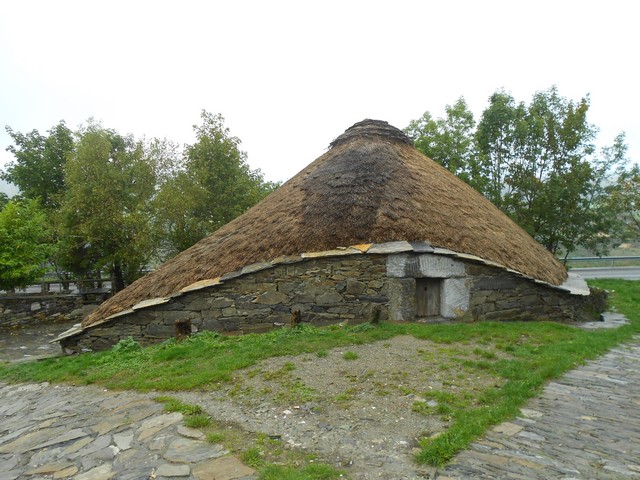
x=350 y=356
x=522 y=355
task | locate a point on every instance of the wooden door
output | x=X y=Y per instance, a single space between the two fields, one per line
x=428 y=297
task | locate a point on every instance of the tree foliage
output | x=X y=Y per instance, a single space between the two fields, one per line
x=38 y=165
x=536 y=162
x=625 y=196
x=25 y=244
x=213 y=186
x=106 y=210
x=447 y=140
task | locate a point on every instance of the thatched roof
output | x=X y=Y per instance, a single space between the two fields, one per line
x=372 y=186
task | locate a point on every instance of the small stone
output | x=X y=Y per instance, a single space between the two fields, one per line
x=170 y=470
x=49 y=468
x=528 y=413
x=225 y=468
x=191 y=433
x=66 y=473
x=123 y=440
x=508 y=428
x=103 y=472
x=158 y=443
x=186 y=450
x=152 y=426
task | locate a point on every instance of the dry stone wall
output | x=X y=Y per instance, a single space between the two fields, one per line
x=352 y=288
x=503 y=296
x=323 y=290
x=24 y=310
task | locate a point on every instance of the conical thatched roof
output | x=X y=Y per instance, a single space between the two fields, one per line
x=372 y=186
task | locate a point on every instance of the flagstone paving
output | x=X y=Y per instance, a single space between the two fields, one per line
x=585 y=425
x=87 y=433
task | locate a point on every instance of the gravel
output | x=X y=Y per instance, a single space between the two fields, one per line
x=352 y=406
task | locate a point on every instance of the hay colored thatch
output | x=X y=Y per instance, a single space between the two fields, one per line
x=372 y=186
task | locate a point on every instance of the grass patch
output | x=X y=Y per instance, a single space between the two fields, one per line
x=522 y=355
x=350 y=356
x=174 y=405
x=197 y=421
x=269 y=455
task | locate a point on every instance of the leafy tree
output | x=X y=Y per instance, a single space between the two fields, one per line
x=38 y=168
x=110 y=183
x=536 y=162
x=552 y=180
x=625 y=197
x=449 y=141
x=213 y=186
x=499 y=137
x=4 y=199
x=25 y=244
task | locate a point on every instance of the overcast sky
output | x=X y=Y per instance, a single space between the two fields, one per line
x=290 y=76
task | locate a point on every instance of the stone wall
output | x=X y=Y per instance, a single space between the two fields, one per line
x=23 y=310
x=503 y=296
x=332 y=289
x=323 y=290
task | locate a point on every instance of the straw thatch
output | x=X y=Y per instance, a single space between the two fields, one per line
x=372 y=186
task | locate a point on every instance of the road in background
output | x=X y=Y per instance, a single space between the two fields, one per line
x=621 y=273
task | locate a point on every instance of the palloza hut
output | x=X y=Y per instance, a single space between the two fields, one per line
x=372 y=229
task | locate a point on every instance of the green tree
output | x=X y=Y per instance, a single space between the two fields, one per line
x=542 y=169
x=106 y=213
x=38 y=167
x=625 y=197
x=499 y=140
x=213 y=186
x=449 y=140
x=536 y=162
x=25 y=244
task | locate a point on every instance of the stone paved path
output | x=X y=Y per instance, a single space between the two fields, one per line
x=93 y=434
x=586 y=425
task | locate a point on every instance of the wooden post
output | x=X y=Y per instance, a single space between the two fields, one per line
x=296 y=318
x=183 y=328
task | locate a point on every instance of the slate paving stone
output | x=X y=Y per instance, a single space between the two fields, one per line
x=586 y=425
x=86 y=433
x=186 y=450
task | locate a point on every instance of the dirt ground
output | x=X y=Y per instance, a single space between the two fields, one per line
x=362 y=407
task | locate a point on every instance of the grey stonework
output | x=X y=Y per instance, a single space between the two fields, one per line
x=504 y=296
x=24 y=310
x=324 y=290
x=347 y=288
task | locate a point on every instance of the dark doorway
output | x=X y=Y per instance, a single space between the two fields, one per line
x=428 y=297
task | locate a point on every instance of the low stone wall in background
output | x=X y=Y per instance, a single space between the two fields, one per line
x=18 y=311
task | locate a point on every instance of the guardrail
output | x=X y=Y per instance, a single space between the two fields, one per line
x=604 y=261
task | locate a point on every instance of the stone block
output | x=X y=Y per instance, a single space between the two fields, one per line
x=271 y=298
x=402 y=300
x=329 y=298
x=454 y=297
x=355 y=287
x=495 y=282
x=303 y=298
x=220 y=302
x=288 y=287
x=212 y=324
x=424 y=265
